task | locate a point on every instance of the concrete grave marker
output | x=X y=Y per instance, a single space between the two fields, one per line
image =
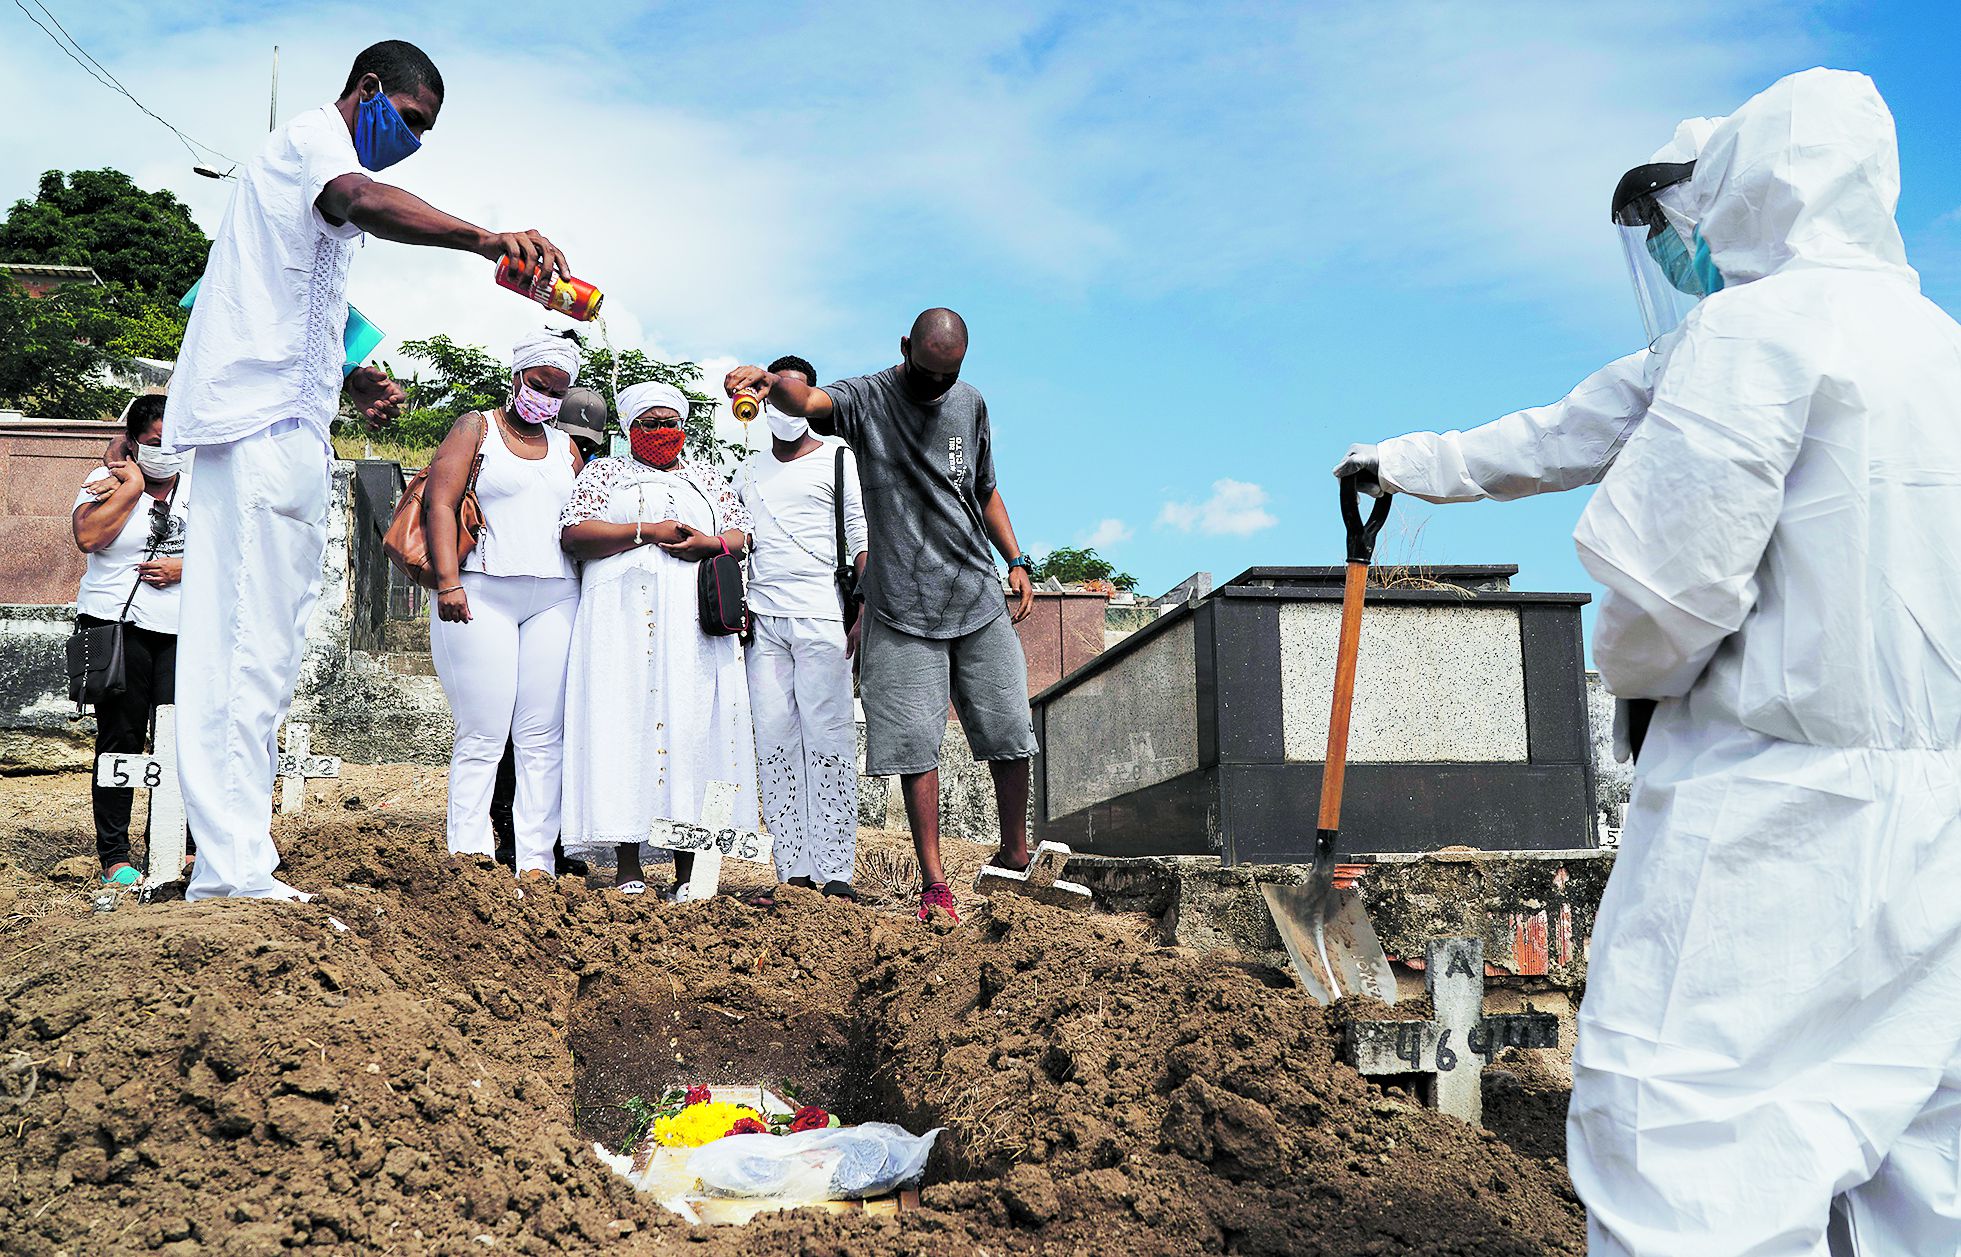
x=1450 y=1051
x=156 y=773
x=299 y=763
x=714 y=838
x=1039 y=881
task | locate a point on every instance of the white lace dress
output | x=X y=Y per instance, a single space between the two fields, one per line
x=655 y=709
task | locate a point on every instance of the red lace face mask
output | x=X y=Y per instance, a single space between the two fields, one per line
x=656 y=447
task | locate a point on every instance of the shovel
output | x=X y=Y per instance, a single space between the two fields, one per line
x=1328 y=937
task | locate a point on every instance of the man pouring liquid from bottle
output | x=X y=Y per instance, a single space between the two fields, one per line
x=258 y=380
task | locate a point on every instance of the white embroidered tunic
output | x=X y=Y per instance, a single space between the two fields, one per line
x=655 y=709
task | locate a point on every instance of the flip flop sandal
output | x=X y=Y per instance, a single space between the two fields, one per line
x=996 y=861
x=843 y=890
x=804 y=882
x=635 y=887
x=126 y=876
x=760 y=899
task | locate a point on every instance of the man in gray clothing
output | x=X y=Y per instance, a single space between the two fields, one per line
x=939 y=628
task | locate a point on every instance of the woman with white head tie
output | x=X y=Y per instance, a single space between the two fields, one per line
x=656 y=709
x=503 y=614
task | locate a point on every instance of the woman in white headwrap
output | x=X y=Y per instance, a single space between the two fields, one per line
x=655 y=708
x=503 y=620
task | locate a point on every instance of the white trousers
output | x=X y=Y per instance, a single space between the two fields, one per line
x=257 y=530
x=806 y=746
x=1773 y=1009
x=504 y=673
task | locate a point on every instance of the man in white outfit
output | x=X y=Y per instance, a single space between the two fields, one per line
x=1773 y=1015
x=258 y=379
x=800 y=663
x=1774 y=1012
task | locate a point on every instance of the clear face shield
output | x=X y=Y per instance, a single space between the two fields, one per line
x=1668 y=260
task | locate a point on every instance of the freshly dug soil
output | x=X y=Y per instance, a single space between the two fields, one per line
x=418 y=1062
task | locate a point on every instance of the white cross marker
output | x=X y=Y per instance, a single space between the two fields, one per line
x=1451 y=1051
x=714 y=838
x=299 y=763
x=156 y=773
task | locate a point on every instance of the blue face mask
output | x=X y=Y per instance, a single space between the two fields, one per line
x=1694 y=274
x=381 y=137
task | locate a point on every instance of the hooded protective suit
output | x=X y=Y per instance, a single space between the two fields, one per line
x=1773 y=1013
x=1546 y=449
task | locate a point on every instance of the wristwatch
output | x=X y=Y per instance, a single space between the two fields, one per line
x=1023 y=561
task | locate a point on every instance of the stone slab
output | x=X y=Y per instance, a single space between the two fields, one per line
x=1531 y=911
x=1434 y=684
x=1131 y=725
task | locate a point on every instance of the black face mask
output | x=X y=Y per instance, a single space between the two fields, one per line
x=923 y=386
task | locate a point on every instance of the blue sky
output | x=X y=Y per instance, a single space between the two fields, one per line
x=1201 y=247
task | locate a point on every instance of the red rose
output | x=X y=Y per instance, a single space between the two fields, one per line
x=748 y=1126
x=696 y=1095
x=810 y=1117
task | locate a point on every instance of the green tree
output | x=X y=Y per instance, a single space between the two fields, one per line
x=54 y=354
x=453 y=379
x=1072 y=566
x=145 y=242
x=147 y=252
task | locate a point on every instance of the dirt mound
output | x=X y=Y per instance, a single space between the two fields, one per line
x=419 y=1061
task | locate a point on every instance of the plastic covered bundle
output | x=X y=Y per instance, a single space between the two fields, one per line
x=841 y=1163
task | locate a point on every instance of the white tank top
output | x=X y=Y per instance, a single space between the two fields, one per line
x=521 y=499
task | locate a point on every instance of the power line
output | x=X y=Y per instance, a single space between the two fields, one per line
x=101 y=74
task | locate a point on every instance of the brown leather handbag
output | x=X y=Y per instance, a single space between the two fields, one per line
x=406 y=543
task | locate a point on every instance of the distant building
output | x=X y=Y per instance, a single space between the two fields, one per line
x=42 y=278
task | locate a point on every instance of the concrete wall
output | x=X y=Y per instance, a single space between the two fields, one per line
x=42 y=465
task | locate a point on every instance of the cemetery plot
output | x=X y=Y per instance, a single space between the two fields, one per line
x=425 y=1058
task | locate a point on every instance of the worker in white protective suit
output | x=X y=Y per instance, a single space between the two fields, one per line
x=1546 y=449
x=1773 y=1011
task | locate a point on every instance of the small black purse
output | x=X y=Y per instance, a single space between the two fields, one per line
x=723 y=610
x=847 y=572
x=97 y=667
x=718 y=581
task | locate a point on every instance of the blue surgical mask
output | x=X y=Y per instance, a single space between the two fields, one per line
x=381 y=137
x=1692 y=273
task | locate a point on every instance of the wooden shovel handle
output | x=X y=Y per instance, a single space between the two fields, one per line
x=1347 y=651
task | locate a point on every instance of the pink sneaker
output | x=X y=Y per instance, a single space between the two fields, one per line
x=938 y=895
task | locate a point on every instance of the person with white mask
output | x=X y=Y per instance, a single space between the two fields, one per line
x=656 y=709
x=1773 y=1012
x=1544 y=449
x=502 y=626
x=129 y=518
x=803 y=495
x=258 y=381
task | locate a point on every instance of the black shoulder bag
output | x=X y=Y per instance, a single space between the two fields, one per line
x=718 y=585
x=97 y=668
x=847 y=572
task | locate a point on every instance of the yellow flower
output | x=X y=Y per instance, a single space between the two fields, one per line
x=699 y=1124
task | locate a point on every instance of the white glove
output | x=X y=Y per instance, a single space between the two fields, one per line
x=1362 y=462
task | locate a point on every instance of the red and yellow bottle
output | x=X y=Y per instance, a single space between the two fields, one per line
x=574 y=298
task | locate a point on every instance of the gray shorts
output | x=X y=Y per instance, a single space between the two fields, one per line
x=906 y=682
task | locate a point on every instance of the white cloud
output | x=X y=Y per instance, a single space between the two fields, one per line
x=1235 y=509
x=1107 y=533
x=1074 y=149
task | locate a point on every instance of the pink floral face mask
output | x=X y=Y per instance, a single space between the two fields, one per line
x=533 y=406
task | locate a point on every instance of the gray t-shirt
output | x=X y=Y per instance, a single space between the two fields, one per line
x=926 y=471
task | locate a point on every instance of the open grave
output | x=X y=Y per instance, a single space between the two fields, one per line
x=422 y=1060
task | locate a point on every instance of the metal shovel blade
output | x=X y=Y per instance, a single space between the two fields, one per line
x=1330 y=941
